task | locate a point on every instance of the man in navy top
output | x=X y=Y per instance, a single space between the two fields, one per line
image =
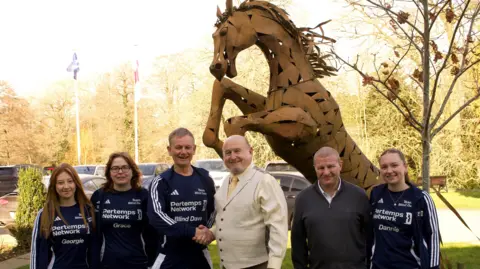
x=181 y=207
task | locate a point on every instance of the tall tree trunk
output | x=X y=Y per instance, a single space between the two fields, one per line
x=426 y=147
x=426 y=139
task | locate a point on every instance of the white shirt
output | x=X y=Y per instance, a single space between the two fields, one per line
x=326 y=195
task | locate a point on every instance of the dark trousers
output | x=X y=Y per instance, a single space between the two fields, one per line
x=258 y=266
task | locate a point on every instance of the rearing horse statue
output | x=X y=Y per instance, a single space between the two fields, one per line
x=298 y=116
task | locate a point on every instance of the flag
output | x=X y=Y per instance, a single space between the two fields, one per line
x=137 y=77
x=74 y=66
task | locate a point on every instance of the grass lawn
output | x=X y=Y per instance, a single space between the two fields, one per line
x=459 y=200
x=465 y=253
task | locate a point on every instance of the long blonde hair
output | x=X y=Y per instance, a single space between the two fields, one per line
x=52 y=204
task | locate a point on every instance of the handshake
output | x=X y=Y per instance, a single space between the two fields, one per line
x=203 y=235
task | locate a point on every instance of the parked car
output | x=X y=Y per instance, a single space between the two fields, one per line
x=8 y=179
x=216 y=169
x=9 y=176
x=9 y=203
x=150 y=171
x=282 y=166
x=96 y=170
x=291 y=185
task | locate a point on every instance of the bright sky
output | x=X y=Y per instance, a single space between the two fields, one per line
x=39 y=37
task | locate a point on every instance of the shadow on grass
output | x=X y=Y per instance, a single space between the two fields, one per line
x=456 y=253
x=287 y=262
x=468 y=255
x=470 y=193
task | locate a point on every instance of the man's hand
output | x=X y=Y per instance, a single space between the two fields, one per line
x=203 y=235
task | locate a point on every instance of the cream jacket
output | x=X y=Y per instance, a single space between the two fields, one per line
x=251 y=225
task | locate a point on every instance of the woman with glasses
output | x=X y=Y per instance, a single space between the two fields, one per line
x=63 y=233
x=128 y=241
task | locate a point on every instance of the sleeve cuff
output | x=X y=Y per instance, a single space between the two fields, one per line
x=213 y=230
x=274 y=263
x=190 y=231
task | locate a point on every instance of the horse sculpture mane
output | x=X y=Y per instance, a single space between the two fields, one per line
x=309 y=39
x=298 y=116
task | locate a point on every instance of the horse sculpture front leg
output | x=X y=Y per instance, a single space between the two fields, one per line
x=246 y=100
x=291 y=123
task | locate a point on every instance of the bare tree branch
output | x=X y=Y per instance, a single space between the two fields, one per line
x=390 y=12
x=462 y=68
x=410 y=118
x=437 y=14
x=449 y=53
x=419 y=84
x=436 y=130
x=412 y=121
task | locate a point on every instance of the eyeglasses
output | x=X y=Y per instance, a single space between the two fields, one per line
x=117 y=169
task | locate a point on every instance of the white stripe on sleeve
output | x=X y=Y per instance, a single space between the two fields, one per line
x=33 y=250
x=434 y=240
x=156 y=204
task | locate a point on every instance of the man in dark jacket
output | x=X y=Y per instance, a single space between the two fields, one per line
x=181 y=207
x=330 y=219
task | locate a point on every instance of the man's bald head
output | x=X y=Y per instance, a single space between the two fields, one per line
x=326 y=152
x=237 y=154
x=236 y=139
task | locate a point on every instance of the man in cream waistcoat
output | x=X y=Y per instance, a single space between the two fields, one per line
x=251 y=224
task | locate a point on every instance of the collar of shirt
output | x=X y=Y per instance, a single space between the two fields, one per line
x=325 y=194
x=244 y=175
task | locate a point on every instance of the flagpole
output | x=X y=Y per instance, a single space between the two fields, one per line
x=136 y=80
x=77 y=112
x=135 y=119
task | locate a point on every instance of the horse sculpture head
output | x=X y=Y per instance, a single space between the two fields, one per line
x=234 y=33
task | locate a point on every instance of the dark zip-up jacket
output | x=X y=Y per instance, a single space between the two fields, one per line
x=69 y=245
x=123 y=230
x=423 y=220
x=177 y=205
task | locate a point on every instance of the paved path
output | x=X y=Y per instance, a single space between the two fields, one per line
x=453 y=230
x=15 y=262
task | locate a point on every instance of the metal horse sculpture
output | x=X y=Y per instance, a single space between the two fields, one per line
x=298 y=116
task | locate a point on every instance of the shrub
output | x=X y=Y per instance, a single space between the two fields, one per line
x=31 y=198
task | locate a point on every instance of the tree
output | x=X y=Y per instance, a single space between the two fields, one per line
x=17 y=128
x=31 y=199
x=57 y=116
x=440 y=39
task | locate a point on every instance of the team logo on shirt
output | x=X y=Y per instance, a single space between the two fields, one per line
x=200 y=192
x=67 y=229
x=204 y=207
x=135 y=202
x=380 y=201
x=184 y=206
x=58 y=218
x=107 y=202
x=117 y=213
x=175 y=192
x=405 y=203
